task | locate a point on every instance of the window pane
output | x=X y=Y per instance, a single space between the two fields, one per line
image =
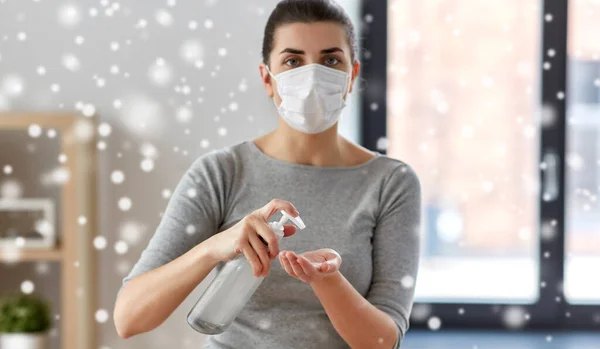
x=463 y=103
x=582 y=262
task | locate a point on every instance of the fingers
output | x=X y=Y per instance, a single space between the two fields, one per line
x=296 y=267
x=262 y=229
x=285 y=263
x=309 y=269
x=253 y=258
x=276 y=205
x=261 y=250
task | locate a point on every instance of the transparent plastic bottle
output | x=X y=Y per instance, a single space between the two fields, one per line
x=231 y=289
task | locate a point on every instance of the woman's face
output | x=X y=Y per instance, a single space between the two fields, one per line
x=299 y=44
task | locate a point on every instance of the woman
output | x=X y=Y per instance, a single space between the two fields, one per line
x=345 y=280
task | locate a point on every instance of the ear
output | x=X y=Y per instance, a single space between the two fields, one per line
x=266 y=79
x=355 y=72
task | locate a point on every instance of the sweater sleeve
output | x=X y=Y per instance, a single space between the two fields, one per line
x=396 y=244
x=193 y=214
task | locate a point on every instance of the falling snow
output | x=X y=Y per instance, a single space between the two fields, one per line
x=163 y=17
x=407 y=281
x=160 y=72
x=104 y=129
x=434 y=323
x=12 y=85
x=121 y=247
x=11 y=189
x=27 y=287
x=184 y=114
x=101 y=316
x=117 y=177
x=147 y=165
x=100 y=242
x=125 y=204
x=514 y=317
x=69 y=16
x=132 y=232
x=190 y=229
x=191 y=51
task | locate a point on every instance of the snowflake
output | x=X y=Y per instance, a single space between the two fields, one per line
x=101 y=316
x=163 y=17
x=160 y=72
x=121 y=247
x=183 y=114
x=190 y=229
x=69 y=15
x=12 y=85
x=117 y=177
x=132 y=232
x=434 y=323
x=191 y=192
x=100 y=242
x=191 y=51
x=407 y=281
x=27 y=287
x=514 y=317
x=104 y=129
x=21 y=36
x=125 y=204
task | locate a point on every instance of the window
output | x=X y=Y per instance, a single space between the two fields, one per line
x=462 y=102
x=475 y=96
x=582 y=256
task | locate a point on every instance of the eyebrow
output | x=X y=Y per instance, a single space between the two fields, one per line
x=300 y=52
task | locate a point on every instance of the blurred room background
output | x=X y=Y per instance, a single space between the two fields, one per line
x=495 y=103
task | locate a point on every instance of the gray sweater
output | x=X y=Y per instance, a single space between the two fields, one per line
x=370 y=214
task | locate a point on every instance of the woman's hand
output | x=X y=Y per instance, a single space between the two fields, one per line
x=311 y=266
x=245 y=237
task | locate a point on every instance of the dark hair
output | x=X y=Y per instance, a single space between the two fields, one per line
x=307 y=11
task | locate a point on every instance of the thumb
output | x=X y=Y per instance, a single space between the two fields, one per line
x=328 y=266
x=289 y=229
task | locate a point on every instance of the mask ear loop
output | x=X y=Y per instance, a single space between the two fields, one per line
x=271 y=74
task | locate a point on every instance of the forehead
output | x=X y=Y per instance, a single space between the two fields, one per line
x=310 y=37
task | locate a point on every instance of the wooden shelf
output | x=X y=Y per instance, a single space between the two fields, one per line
x=78 y=198
x=30 y=255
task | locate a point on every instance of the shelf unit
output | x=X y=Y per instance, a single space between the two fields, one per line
x=74 y=250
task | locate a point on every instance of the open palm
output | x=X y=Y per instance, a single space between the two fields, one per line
x=311 y=266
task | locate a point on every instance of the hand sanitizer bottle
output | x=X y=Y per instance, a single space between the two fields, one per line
x=231 y=289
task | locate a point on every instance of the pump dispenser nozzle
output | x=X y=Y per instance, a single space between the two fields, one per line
x=286 y=216
x=278 y=226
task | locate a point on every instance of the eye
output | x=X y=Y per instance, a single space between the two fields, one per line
x=292 y=62
x=332 y=60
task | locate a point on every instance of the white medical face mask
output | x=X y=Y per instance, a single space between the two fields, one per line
x=312 y=96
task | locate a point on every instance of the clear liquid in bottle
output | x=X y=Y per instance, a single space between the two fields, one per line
x=231 y=289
